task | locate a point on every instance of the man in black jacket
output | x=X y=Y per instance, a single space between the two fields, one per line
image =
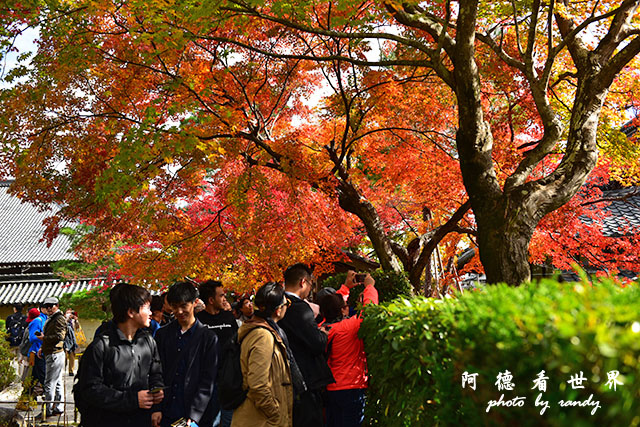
x=119 y=376
x=224 y=324
x=15 y=324
x=189 y=354
x=308 y=344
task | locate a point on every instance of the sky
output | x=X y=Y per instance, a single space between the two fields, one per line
x=25 y=42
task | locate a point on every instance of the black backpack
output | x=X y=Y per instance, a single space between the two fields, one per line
x=16 y=330
x=25 y=344
x=230 y=389
x=81 y=379
x=69 y=343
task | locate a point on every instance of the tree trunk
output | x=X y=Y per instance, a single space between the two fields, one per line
x=504 y=248
x=427 y=286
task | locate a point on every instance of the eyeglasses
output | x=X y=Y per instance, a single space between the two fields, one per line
x=287 y=302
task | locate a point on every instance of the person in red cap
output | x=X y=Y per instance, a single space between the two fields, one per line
x=32 y=314
x=23 y=404
x=36 y=327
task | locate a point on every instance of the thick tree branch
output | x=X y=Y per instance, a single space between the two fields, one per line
x=509 y=60
x=414 y=17
x=619 y=61
x=618 y=29
x=570 y=37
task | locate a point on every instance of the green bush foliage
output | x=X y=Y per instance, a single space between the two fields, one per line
x=418 y=349
x=89 y=304
x=7 y=373
x=390 y=285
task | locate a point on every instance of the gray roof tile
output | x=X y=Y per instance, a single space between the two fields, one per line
x=624 y=210
x=21 y=230
x=34 y=291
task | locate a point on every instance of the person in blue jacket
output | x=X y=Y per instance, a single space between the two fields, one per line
x=36 y=359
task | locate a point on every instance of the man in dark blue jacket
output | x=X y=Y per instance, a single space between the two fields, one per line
x=119 y=376
x=308 y=345
x=189 y=354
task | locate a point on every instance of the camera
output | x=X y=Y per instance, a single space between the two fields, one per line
x=360 y=277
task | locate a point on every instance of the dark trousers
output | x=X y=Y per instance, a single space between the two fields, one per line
x=39 y=369
x=345 y=408
x=307 y=409
x=221 y=417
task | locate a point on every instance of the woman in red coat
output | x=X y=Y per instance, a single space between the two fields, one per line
x=347 y=360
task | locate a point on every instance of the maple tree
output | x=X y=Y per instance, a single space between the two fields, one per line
x=196 y=136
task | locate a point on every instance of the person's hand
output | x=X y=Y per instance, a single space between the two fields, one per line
x=156 y=417
x=368 y=280
x=324 y=329
x=157 y=397
x=40 y=353
x=350 y=281
x=145 y=399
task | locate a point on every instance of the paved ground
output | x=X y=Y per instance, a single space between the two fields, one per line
x=10 y=395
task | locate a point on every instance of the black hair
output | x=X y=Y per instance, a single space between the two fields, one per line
x=157 y=302
x=115 y=289
x=127 y=297
x=268 y=298
x=181 y=292
x=18 y=307
x=296 y=272
x=208 y=290
x=323 y=293
x=331 y=307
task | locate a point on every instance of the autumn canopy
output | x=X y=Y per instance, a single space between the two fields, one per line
x=231 y=138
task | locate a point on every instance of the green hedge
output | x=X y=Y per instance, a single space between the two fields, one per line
x=7 y=373
x=390 y=285
x=418 y=349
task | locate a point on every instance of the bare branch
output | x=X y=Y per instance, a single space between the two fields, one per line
x=436 y=238
x=517 y=26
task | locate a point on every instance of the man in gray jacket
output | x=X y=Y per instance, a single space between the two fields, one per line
x=53 y=335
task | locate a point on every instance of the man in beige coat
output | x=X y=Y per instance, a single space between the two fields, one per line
x=265 y=365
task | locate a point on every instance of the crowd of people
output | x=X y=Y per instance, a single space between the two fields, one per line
x=159 y=361
x=43 y=341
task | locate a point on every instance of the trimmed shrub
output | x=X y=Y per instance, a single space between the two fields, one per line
x=417 y=351
x=390 y=285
